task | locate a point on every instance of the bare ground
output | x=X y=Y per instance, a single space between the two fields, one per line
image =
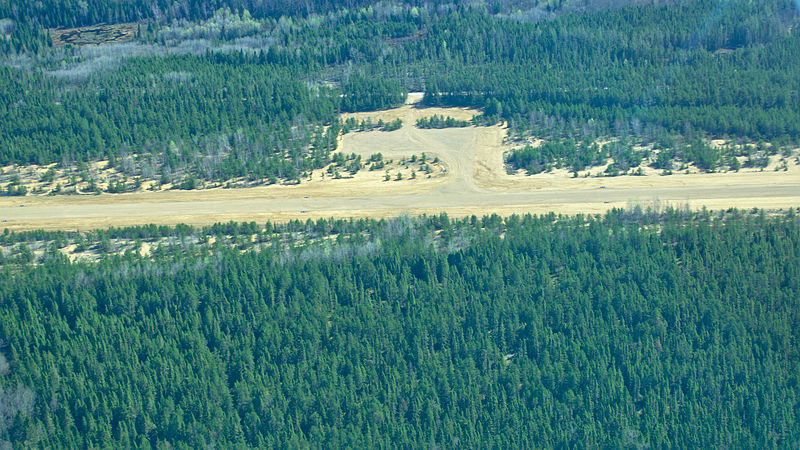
x=470 y=179
x=93 y=35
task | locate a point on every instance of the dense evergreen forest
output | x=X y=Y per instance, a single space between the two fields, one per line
x=627 y=330
x=249 y=92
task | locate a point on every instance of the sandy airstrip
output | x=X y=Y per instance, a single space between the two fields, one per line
x=471 y=180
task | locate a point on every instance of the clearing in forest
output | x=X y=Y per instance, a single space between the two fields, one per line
x=467 y=175
x=94 y=34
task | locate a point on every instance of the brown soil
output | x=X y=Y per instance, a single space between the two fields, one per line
x=94 y=34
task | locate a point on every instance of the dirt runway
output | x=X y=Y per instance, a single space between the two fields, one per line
x=474 y=182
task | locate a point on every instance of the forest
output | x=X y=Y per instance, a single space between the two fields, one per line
x=65 y=13
x=633 y=329
x=644 y=327
x=214 y=92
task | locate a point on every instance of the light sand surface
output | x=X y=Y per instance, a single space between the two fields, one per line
x=471 y=179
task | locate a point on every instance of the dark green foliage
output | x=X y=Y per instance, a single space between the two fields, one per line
x=376 y=162
x=441 y=122
x=392 y=126
x=16 y=190
x=664 y=154
x=117 y=187
x=353 y=124
x=703 y=155
x=370 y=94
x=550 y=154
x=188 y=183
x=708 y=65
x=247 y=120
x=21 y=37
x=632 y=329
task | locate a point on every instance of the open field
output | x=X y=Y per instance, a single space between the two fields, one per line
x=93 y=35
x=470 y=179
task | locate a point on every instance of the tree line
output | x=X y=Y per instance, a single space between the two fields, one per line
x=665 y=153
